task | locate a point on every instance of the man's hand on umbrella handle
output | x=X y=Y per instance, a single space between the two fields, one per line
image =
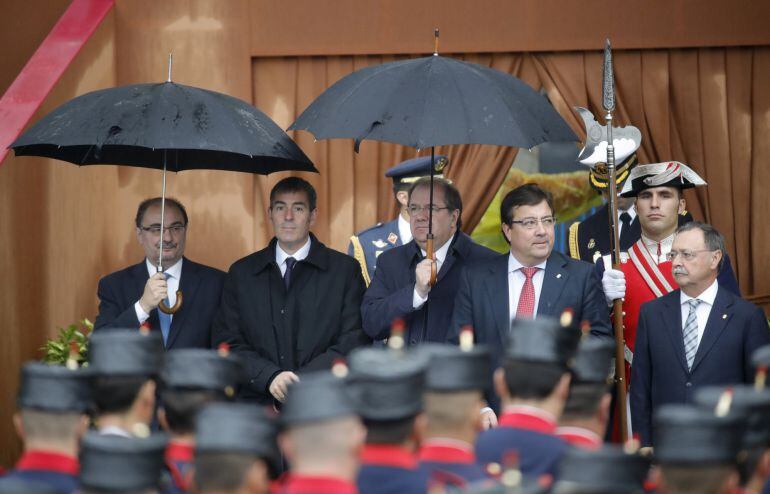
x=155 y=290
x=280 y=385
x=422 y=274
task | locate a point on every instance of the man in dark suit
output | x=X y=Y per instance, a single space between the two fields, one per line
x=130 y=297
x=367 y=245
x=293 y=306
x=400 y=287
x=700 y=334
x=531 y=280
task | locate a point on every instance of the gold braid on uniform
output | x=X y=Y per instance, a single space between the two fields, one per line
x=358 y=253
x=573 y=241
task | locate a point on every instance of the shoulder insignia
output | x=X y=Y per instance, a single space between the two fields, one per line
x=358 y=254
x=573 y=240
x=379 y=243
x=591 y=244
x=377 y=253
x=683 y=213
x=597 y=255
x=392 y=238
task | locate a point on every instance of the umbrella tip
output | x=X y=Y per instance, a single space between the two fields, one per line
x=170 y=62
x=435 y=42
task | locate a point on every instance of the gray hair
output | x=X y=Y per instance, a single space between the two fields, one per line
x=711 y=237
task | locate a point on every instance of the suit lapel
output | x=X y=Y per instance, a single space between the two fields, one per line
x=554 y=279
x=496 y=284
x=672 y=321
x=188 y=284
x=718 y=319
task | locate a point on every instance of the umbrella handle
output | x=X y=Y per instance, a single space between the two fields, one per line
x=171 y=310
x=432 y=256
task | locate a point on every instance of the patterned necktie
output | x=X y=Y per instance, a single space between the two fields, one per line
x=690 y=333
x=165 y=319
x=526 y=307
x=290 y=261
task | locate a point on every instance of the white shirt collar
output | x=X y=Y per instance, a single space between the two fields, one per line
x=175 y=271
x=631 y=212
x=281 y=255
x=441 y=252
x=404 y=230
x=515 y=265
x=665 y=246
x=114 y=430
x=708 y=296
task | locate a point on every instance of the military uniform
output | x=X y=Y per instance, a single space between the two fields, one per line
x=369 y=243
x=390 y=469
x=53 y=469
x=607 y=470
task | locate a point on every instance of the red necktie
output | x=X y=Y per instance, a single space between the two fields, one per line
x=526 y=307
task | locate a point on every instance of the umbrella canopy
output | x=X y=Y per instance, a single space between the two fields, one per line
x=432 y=101
x=147 y=125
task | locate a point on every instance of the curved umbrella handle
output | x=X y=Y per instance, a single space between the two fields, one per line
x=171 y=310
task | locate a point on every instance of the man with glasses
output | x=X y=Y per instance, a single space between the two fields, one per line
x=700 y=334
x=401 y=289
x=531 y=280
x=129 y=298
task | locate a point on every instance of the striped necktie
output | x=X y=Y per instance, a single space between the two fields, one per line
x=690 y=333
x=165 y=319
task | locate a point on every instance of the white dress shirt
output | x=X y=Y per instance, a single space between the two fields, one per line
x=281 y=255
x=665 y=247
x=404 y=230
x=174 y=274
x=703 y=310
x=417 y=300
x=516 y=281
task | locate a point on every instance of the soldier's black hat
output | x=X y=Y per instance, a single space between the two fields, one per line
x=54 y=388
x=668 y=174
x=593 y=361
x=761 y=356
x=238 y=428
x=414 y=169
x=200 y=369
x=318 y=396
x=387 y=384
x=608 y=470
x=452 y=369
x=119 y=464
x=686 y=434
x=125 y=352
x=544 y=339
x=745 y=400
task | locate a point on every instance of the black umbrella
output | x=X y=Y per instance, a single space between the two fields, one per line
x=166 y=126
x=431 y=101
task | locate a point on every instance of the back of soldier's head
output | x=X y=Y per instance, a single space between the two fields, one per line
x=584 y=400
x=227 y=471
x=591 y=369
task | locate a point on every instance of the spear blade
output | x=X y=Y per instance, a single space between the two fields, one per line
x=608 y=81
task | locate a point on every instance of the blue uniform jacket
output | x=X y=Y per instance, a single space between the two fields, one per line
x=438 y=458
x=387 y=469
x=53 y=469
x=367 y=246
x=390 y=294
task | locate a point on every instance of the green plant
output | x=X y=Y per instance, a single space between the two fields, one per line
x=72 y=341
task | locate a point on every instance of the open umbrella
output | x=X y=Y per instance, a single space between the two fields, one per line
x=166 y=126
x=431 y=101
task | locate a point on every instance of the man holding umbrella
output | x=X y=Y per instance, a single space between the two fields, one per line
x=130 y=297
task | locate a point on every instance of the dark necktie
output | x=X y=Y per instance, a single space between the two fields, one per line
x=290 y=262
x=625 y=230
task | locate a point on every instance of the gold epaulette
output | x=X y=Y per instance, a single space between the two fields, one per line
x=573 y=241
x=358 y=254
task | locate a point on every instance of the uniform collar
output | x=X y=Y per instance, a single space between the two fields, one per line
x=306 y=484
x=404 y=230
x=580 y=437
x=48 y=461
x=445 y=450
x=528 y=418
x=179 y=451
x=388 y=455
x=652 y=247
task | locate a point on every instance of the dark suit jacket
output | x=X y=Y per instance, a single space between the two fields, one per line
x=389 y=296
x=659 y=374
x=190 y=327
x=304 y=329
x=482 y=300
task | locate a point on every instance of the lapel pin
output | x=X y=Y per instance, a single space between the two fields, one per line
x=558 y=275
x=724 y=316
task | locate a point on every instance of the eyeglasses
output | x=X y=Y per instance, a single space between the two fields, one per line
x=414 y=209
x=155 y=229
x=687 y=255
x=531 y=223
